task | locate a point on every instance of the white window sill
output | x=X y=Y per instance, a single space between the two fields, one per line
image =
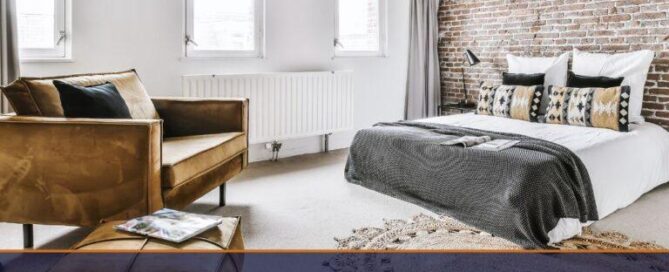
x=47 y=60
x=220 y=58
x=359 y=56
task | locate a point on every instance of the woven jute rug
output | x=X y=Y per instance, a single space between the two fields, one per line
x=424 y=232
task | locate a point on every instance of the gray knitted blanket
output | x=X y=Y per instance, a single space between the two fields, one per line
x=519 y=193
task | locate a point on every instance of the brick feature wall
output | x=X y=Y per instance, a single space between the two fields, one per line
x=493 y=28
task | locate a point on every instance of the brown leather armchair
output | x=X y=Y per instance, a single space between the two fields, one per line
x=81 y=172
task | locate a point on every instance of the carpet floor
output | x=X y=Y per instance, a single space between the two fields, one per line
x=303 y=202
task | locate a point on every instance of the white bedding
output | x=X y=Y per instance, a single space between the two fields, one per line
x=622 y=165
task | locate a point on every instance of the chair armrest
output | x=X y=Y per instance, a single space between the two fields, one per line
x=78 y=171
x=195 y=116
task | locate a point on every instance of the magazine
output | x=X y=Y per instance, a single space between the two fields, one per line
x=170 y=225
x=496 y=145
x=468 y=141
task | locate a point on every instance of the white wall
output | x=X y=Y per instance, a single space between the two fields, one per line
x=111 y=35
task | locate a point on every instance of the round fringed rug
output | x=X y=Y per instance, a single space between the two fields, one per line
x=425 y=233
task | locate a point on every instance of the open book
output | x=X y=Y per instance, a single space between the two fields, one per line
x=468 y=141
x=496 y=145
x=170 y=225
x=482 y=143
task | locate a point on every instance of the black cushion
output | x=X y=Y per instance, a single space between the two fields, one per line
x=100 y=101
x=523 y=79
x=579 y=81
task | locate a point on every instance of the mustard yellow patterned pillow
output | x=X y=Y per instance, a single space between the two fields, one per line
x=590 y=107
x=525 y=102
x=610 y=108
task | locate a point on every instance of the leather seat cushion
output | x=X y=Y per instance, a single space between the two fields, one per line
x=188 y=157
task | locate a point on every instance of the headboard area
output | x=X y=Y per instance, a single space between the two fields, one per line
x=494 y=28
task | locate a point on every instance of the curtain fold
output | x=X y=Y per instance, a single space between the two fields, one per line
x=9 y=49
x=423 y=95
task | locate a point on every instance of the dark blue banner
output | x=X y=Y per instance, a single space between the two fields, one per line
x=381 y=262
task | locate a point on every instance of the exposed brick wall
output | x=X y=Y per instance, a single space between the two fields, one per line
x=493 y=28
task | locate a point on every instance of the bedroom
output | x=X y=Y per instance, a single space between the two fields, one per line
x=409 y=60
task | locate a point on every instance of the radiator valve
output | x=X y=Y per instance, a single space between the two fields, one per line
x=276 y=147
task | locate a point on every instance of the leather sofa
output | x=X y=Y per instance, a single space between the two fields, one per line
x=82 y=172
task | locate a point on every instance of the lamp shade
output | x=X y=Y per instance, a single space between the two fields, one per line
x=471 y=58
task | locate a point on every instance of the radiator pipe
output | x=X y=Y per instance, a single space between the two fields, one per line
x=326 y=143
x=276 y=147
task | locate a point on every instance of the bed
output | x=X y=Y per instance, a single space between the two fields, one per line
x=622 y=166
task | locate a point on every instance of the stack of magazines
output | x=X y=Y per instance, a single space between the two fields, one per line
x=482 y=143
x=171 y=225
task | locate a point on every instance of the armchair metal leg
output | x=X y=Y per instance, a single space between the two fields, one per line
x=221 y=196
x=27 y=236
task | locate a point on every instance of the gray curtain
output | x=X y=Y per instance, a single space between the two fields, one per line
x=9 y=49
x=423 y=81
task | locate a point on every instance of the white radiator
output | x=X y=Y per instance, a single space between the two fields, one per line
x=284 y=105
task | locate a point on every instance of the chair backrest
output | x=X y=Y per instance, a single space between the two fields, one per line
x=39 y=97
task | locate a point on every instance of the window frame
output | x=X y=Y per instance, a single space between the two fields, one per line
x=383 y=35
x=62 y=29
x=259 y=33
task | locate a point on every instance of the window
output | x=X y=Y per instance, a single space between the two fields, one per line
x=360 y=28
x=224 y=28
x=43 y=29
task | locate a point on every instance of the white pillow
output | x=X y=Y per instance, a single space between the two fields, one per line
x=633 y=66
x=555 y=70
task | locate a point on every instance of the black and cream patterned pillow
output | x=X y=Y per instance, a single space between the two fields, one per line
x=556 y=112
x=578 y=108
x=590 y=107
x=485 y=101
x=517 y=102
x=501 y=106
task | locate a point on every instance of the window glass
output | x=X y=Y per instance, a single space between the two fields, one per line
x=359 y=25
x=36 y=23
x=224 y=24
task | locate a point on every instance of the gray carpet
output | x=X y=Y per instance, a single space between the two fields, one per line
x=303 y=202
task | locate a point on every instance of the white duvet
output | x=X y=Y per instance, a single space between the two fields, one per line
x=622 y=165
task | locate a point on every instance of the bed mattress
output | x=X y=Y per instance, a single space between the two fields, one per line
x=622 y=165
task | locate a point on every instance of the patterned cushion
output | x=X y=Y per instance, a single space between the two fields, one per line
x=485 y=101
x=610 y=108
x=590 y=107
x=578 y=108
x=556 y=112
x=508 y=101
x=525 y=102
x=502 y=103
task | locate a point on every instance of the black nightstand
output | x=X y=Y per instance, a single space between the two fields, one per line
x=455 y=108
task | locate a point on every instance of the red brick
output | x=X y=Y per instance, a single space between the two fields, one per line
x=616 y=18
x=662 y=114
x=651 y=15
x=656 y=91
